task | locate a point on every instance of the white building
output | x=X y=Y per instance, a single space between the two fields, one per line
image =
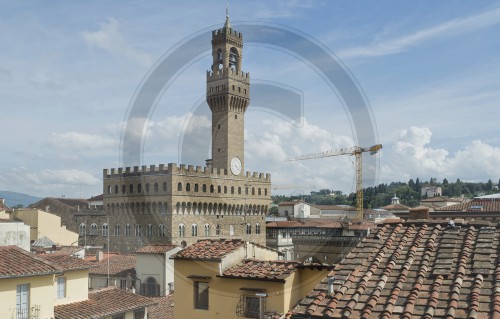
x=14 y=233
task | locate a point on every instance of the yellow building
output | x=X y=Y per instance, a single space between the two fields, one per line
x=45 y=224
x=234 y=279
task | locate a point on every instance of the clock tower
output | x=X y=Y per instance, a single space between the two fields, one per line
x=228 y=96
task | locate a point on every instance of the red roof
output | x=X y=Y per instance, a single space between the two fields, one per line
x=213 y=249
x=16 y=262
x=396 y=207
x=164 y=309
x=66 y=262
x=423 y=269
x=119 y=265
x=442 y=199
x=155 y=249
x=475 y=205
x=94 y=198
x=264 y=270
x=103 y=303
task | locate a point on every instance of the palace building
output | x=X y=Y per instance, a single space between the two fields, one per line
x=181 y=204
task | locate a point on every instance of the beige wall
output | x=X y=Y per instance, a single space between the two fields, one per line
x=15 y=233
x=46 y=224
x=158 y=266
x=76 y=287
x=41 y=293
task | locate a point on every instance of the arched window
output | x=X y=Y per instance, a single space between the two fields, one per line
x=194 y=230
x=265 y=191
x=109 y=189
x=257 y=229
x=219 y=189
x=253 y=190
x=233 y=59
x=211 y=188
x=147 y=187
x=124 y=189
x=204 y=188
x=93 y=229
x=161 y=230
x=231 y=230
x=196 y=188
x=138 y=230
x=127 y=230
x=181 y=230
x=207 y=230
x=259 y=192
x=219 y=56
x=156 y=187
x=179 y=187
x=116 y=189
x=149 y=230
x=239 y=190
x=217 y=230
x=188 y=187
x=131 y=188
x=225 y=189
x=117 y=230
x=105 y=230
x=139 y=188
x=232 y=189
x=81 y=229
x=249 y=229
x=164 y=186
x=150 y=287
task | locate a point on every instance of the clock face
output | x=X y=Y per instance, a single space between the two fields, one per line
x=236 y=166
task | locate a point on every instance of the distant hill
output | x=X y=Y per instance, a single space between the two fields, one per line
x=13 y=199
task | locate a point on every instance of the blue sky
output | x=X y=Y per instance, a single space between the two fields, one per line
x=429 y=69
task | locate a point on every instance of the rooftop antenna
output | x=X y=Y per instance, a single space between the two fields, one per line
x=227 y=24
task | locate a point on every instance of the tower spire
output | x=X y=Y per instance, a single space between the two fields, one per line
x=227 y=25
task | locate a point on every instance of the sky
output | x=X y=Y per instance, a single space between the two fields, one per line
x=427 y=70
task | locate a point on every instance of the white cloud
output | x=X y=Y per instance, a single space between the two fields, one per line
x=454 y=27
x=109 y=38
x=73 y=141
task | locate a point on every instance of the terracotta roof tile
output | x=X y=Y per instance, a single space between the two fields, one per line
x=414 y=269
x=16 y=262
x=265 y=270
x=164 y=309
x=209 y=249
x=119 y=265
x=155 y=249
x=474 y=206
x=103 y=303
x=66 y=262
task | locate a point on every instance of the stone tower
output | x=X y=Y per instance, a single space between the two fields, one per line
x=228 y=92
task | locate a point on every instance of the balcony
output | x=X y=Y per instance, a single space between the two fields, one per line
x=32 y=312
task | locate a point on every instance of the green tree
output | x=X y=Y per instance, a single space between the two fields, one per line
x=445 y=181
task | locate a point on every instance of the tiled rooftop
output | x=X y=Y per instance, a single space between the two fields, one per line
x=103 y=303
x=264 y=270
x=416 y=269
x=16 y=262
x=318 y=223
x=164 y=309
x=66 y=262
x=155 y=249
x=119 y=265
x=442 y=199
x=396 y=207
x=476 y=205
x=209 y=249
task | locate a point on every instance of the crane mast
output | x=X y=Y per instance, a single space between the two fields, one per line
x=358 y=154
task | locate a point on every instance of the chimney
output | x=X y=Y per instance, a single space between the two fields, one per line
x=419 y=212
x=209 y=163
x=99 y=255
x=2 y=200
x=331 y=280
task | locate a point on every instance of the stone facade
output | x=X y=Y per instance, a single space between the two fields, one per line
x=181 y=204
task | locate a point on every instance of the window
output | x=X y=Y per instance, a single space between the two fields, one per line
x=201 y=295
x=181 y=230
x=140 y=314
x=179 y=186
x=127 y=230
x=149 y=230
x=131 y=188
x=150 y=287
x=217 y=230
x=232 y=189
x=116 y=189
x=219 y=189
x=211 y=188
x=259 y=192
x=207 y=230
x=249 y=229
x=105 y=230
x=155 y=187
x=81 y=229
x=93 y=229
x=138 y=230
x=265 y=191
x=194 y=230
x=188 y=187
x=231 y=230
x=117 y=230
x=204 y=188
x=252 y=306
x=233 y=58
x=225 y=189
x=61 y=287
x=139 y=188
x=120 y=316
x=147 y=187
x=161 y=230
x=196 y=188
x=124 y=189
x=109 y=189
x=257 y=229
x=239 y=190
x=22 y=301
x=164 y=186
x=253 y=190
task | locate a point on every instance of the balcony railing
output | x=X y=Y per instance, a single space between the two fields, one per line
x=32 y=312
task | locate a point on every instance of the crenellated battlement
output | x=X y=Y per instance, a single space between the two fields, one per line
x=230 y=32
x=181 y=169
x=228 y=72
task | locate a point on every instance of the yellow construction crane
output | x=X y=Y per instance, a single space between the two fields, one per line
x=357 y=152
